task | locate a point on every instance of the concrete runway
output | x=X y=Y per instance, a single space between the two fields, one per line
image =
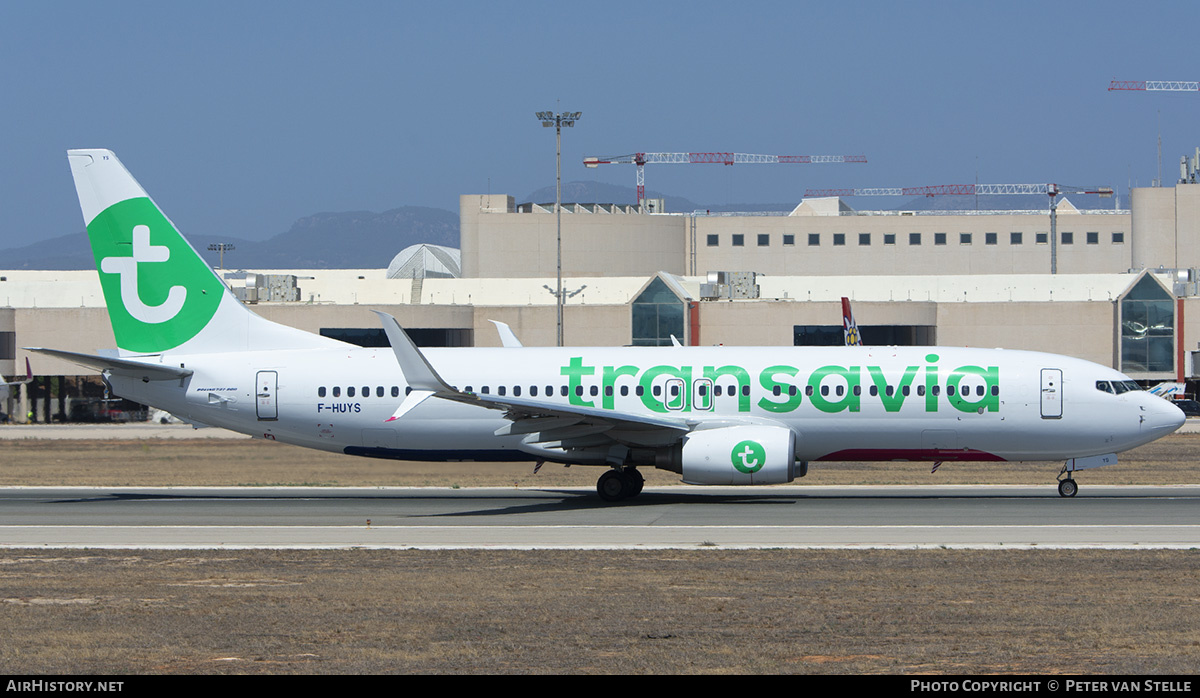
x=984 y=516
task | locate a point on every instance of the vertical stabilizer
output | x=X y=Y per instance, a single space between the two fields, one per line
x=160 y=293
x=849 y=326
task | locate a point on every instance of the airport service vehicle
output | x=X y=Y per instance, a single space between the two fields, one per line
x=716 y=415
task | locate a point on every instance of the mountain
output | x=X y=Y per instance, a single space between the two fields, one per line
x=367 y=240
x=348 y=240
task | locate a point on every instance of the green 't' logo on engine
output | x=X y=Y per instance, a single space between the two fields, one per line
x=748 y=456
x=159 y=292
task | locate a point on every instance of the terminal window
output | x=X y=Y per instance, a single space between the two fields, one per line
x=864 y=238
x=964 y=238
x=989 y=238
x=713 y=240
x=739 y=240
x=1043 y=238
x=914 y=238
x=1118 y=238
x=814 y=239
x=1093 y=238
x=1068 y=238
x=764 y=240
x=889 y=238
x=1147 y=328
x=839 y=239
x=1014 y=238
x=939 y=238
x=789 y=240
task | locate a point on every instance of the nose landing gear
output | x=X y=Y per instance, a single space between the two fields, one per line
x=1067 y=487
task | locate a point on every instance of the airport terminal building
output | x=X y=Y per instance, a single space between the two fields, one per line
x=1125 y=291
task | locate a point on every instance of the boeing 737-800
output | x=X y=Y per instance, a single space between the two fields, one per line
x=716 y=415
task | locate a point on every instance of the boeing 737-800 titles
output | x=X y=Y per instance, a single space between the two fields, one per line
x=715 y=415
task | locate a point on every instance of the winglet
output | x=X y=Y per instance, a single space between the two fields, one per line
x=423 y=381
x=507 y=338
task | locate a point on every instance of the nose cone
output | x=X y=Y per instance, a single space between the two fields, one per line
x=1160 y=417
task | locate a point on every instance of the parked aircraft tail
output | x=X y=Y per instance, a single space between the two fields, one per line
x=849 y=326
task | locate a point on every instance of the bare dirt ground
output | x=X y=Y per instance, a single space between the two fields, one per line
x=672 y=612
x=1173 y=460
x=584 y=612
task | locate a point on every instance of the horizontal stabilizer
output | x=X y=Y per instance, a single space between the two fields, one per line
x=120 y=367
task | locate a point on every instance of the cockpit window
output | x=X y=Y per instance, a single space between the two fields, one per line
x=1117 y=387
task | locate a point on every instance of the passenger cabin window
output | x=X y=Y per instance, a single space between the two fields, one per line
x=321 y=391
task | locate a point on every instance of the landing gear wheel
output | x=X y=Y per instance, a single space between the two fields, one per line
x=613 y=486
x=636 y=481
x=1067 y=488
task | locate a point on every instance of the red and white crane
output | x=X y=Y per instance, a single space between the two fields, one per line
x=1154 y=85
x=1051 y=190
x=643 y=159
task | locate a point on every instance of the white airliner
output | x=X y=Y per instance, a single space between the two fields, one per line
x=715 y=415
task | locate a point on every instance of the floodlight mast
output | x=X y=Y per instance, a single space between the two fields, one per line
x=221 y=248
x=568 y=119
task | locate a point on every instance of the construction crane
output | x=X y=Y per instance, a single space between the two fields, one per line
x=643 y=159
x=1051 y=190
x=1154 y=85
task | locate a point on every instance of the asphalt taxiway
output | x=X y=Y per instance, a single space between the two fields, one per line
x=980 y=516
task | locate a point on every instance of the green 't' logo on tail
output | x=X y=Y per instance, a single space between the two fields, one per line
x=159 y=292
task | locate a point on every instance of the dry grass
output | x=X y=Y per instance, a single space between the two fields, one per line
x=599 y=612
x=248 y=462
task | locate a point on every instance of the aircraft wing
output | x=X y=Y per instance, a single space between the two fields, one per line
x=550 y=425
x=121 y=367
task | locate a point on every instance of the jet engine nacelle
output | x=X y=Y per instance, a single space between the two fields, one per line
x=739 y=455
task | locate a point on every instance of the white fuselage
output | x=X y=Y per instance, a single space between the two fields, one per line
x=843 y=403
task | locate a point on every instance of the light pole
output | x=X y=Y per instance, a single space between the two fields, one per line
x=221 y=248
x=548 y=119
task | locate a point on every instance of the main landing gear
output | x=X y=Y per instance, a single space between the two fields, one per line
x=617 y=484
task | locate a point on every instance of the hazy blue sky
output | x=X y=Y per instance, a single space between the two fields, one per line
x=240 y=117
